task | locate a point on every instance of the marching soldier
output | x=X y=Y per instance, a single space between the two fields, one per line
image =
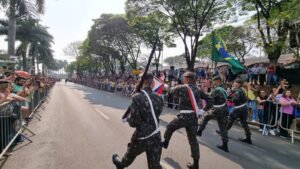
x=240 y=109
x=189 y=95
x=218 y=112
x=146 y=107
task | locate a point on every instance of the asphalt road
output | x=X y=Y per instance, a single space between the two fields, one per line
x=81 y=129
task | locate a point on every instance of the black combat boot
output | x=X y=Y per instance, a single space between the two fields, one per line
x=199 y=132
x=223 y=147
x=116 y=160
x=165 y=144
x=246 y=140
x=195 y=165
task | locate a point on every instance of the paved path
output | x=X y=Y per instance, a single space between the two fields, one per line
x=81 y=129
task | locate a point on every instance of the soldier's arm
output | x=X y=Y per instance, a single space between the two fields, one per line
x=236 y=96
x=176 y=91
x=135 y=117
x=208 y=99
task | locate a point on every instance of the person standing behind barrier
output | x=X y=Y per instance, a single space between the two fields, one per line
x=287 y=111
x=146 y=107
x=189 y=95
x=262 y=74
x=219 y=112
x=263 y=109
x=240 y=109
x=254 y=72
x=271 y=74
x=249 y=90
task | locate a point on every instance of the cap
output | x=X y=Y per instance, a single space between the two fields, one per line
x=189 y=74
x=216 y=77
x=4 y=84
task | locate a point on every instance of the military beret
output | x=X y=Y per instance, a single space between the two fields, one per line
x=240 y=81
x=189 y=74
x=216 y=77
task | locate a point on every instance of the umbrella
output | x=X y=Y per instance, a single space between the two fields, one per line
x=23 y=73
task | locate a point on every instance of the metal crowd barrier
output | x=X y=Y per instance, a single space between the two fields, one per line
x=170 y=101
x=267 y=118
x=287 y=126
x=12 y=123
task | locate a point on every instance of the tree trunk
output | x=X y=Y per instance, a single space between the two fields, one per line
x=11 y=29
x=43 y=69
x=37 y=66
x=157 y=62
x=24 y=61
x=274 y=55
x=122 y=66
x=33 y=64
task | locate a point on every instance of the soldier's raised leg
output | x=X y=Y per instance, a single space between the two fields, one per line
x=174 y=125
x=133 y=150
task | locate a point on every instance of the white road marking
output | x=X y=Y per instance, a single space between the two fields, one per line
x=102 y=114
x=165 y=165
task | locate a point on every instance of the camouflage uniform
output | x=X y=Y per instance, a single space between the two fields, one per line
x=186 y=120
x=218 y=112
x=240 y=111
x=141 y=118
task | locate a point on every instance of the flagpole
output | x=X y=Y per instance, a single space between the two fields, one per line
x=212 y=61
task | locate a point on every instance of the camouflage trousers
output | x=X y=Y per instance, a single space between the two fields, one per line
x=221 y=115
x=242 y=114
x=189 y=122
x=152 y=147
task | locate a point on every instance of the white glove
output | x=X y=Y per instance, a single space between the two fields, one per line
x=200 y=112
x=125 y=120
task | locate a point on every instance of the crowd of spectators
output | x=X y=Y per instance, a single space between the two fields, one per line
x=21 y=89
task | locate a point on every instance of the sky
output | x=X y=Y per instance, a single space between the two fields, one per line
x=70 y=20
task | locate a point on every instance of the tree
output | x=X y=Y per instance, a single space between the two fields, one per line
x=29 y=32
x=112 y=31
x=189 y=18
x=73 y=50
x=143 y=15
x=274 y=19
x=17 y=9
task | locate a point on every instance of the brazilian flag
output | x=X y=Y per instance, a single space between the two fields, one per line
x=220 y=54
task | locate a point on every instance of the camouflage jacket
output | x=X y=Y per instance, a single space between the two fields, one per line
x=218 y=96
x=141 y=116
x=181 y=91
x=239 y=97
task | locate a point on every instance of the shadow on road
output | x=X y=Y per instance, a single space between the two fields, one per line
x=173 y=163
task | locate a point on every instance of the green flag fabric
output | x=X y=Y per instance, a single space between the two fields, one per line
x=219 y=54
